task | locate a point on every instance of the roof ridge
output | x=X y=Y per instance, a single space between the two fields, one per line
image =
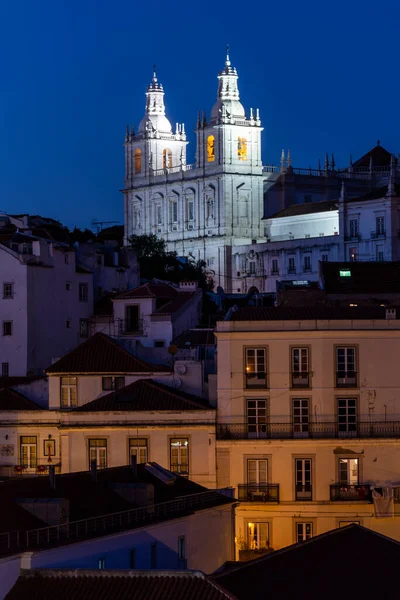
x=105 y=573
x=171 y=390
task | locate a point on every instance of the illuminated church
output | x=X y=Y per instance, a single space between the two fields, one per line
x=217 y=209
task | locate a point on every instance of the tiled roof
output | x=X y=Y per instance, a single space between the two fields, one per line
x=143 y=395
x=11 y=381
x=318 y=561
x=175 y=304
x=309 y=313
x=380 y=158
x=13 y=400
x=195 y=337
x=82 y=269
x=366 y=277
x=304 y=209
x=376 y=194
x=119 y=585
x=101 y=354
x=150 y=290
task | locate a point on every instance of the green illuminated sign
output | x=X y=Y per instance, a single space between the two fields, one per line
x=345 y=273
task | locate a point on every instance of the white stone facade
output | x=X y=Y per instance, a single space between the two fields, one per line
x=200 y=210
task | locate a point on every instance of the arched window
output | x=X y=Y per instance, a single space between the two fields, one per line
x=167 y=158
x=138 y=161
x=242 y=148
x=210 y=148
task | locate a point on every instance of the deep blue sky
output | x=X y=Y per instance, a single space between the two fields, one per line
x=74 y=72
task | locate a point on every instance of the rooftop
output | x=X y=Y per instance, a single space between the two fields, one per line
x=174 y=304
x=92 y=499
x=150 y=290
x=361 y=277
x=103 y=355
x=309 y=313
x=145 y=395
x=320 y=561
x=379 y=155
x=192 y=338
x=12 y=400
x=119 y=585
x=296 y=210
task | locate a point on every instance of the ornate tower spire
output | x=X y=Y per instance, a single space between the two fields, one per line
x=228 y=93
x=155 y=119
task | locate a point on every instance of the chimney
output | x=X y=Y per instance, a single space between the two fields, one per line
x=52 y=476
x=134 y=464
x=390 y=313
x=93 y=470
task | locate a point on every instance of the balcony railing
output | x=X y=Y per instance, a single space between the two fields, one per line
x=379 y=234
x=253 y=492
x=291 y=270
x=342 y=492
x=301 y=379
x=182 y=470
x=303 y=491
x=19 y=541
x=128 y=327
x=346 y=379
x=256 y=379
x=30 y=468
x=320 y=430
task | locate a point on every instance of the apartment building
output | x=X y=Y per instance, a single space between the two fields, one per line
x=107 y=405
x=308 y=421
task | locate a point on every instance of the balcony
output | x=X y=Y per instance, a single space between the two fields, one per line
x=310 y=430
x=378 y=235
x=30 y=469
x=256 y=380
x=342 y=492
x=346 y=379
x=301 y=379
x=253 y=492
x=355 y=237
x=303 y=491
x=274 y=272
x=291 y=270
x=128 y=327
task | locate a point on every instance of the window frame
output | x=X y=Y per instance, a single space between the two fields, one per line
x=177 y=467
x=136 y=446
x=300 y=429
x=257 y=460
x=6 y=295
x=83 y=287
x=257 y=428
x=248 y=373
x=32 y=463
x=114 y=386
x=310 y=522
x=346 y=371
x=307 y=264
x=99 y=464
x=84 y=327
x=304 y=495
x=5 y=369
x=303 y=382
x=7 y=328
x=346 y=430
x=291 y=269
x=69 y=387
x=250 y=525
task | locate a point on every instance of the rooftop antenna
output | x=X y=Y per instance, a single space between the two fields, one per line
x=99 y=224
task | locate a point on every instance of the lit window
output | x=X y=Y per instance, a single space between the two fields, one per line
x=255 y=367
x=102 y=563
x=303 y=479
x=167 y=158
x=258 y=536
x=68 y=392
x=242 y=148
x=138 y=448
x=28 y=451
x=210 y=148
x=179 y=449
x=98 y=453
x=138 y=160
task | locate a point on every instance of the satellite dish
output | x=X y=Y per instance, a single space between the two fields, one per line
x=177 y=382
x=181 y=369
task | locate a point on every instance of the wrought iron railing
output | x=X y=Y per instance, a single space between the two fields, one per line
x=256 y=379
x=262 y=492
x=303 y=491
x=31 y=467
x=320 y=430
x=348 y=492
x=301 y=379
x=346 y=379
x=378 y=234
x=18 y=541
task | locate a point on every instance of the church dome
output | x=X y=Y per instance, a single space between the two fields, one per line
x=156 y=122
x=228 y=94
x=154 y=118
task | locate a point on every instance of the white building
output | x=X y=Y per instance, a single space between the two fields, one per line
x=47 y=296
x=200 y=210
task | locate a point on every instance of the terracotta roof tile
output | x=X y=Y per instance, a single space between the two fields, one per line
x=101 y=354
x=150 y=290
x=146 y=394
x=119 y=585
x=318 y=561
x=175 y=304
x=12 y=400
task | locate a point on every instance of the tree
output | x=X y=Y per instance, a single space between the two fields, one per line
x=149 y=246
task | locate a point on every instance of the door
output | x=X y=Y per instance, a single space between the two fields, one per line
x=132 y=318
x=347 y=416
x=29 y=452
x=300 y=417
x=257 y=418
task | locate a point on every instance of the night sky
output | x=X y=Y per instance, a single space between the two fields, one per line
x=74 y=73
